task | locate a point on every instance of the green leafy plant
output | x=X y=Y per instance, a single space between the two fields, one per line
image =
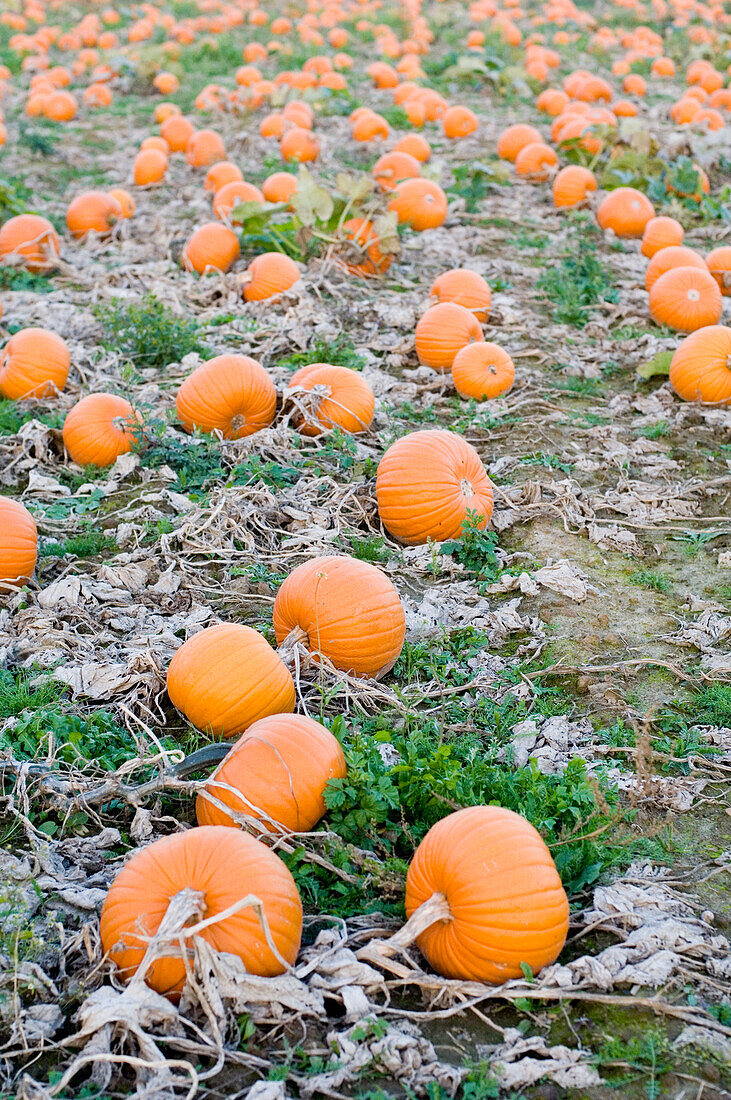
x=475 y=181
x=576 y=285
x=148 y=332
x=475 y=549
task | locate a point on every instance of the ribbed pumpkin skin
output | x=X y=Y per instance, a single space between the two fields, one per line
x=467 y=289
x=503 y=889
x=271 y=273
x=667 y=258
x=99 y=428
x=686 y=298
x=349 y=610
x=227 y=677
x=571 y=185
x=482 y=371
x=350 y=404
x=31 y=237
x=211 y=248
x=18 y=542
x=700 y=369
x=226 y=865
x=427 y=482
x=280 y=766
x=442 y=331
x=33 y=363
x=719 y=265
x=660 y=233
x=232 y=394
x=626 y=211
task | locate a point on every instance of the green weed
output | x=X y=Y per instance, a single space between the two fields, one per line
x=475 y=549
x=88 y=544
x=648 y=578
x=576 y=285
x=338 y=352
x=149 y=333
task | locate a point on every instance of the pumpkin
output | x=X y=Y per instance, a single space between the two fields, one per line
x=30 y=240
x=503 y=902
x=230 y=394
x=426 y=484
x=300 y=145
x=165 y=110
x=667 y=258
x=571 y=185
x=415 y=145
x=150 y=166
x=221 y=173
x=459 y=122
x=466 y=288
x=231 y=195
x=660 y=233
x=269 y=274
x=226 y=677
x=700 y=369
x=482 y=371
x=61 y=107
x=345 y=610
x=345 y=399
x=166 y=83
x=211 y=248
x=126 y=203
x=279 y=187
x=92 y=212
x=626 y=211
x=204 y=148
x=393 y=168
x=362 y=233
x=33 y=363
x=535 y=161
x=442 y=331
x=370 y=126
x=420 y=204
x=225 y=866
x=686 y=298
x=99 y=428
x=18 y=543
x=719 y=265
x=515 y=138
x=276 y=772
x=273 y=125
x=177 y=132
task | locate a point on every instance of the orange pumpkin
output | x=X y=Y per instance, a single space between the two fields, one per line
x=392 y=169
x=427 y=482
x=415 y=145
x=277 y=773
x=571 y=186
x=31 y=241
x=270 y=274
x=279 y=187
x=177 y=132
x=342 y=399
x=92 y=212
x=467 y=289
x=126 y=203
x=667 y=258
x=364 y=237
x=482 y=371
x=459 y=122
x=230 y=394
x=227 y=677
x=211 y=248
x=515 y=138
x=535 y=161
x=700 y=369
x=345 y=610
x=18 y=543
x=719 y=265
x=225 y=866
x=204 y=148
x=686 y=298
x=626 y=211
x=231 y=195
x=442 y=331
x=150 y=166
x=660 y=233
x=300 y=145
x=33 y=363
x=420 y=204
x=507 y=907
x=221 y=173
x=99 y=428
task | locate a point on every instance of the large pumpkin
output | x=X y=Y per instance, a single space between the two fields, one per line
x=99 y=428
x=442 y=331
x=346 y=402
x=686 y=298
x=503 y=891
x=226 y=677
x=427 y=483
x=347 y=610
x=276 y=772
x=225 y=865
x=626 y=211
x=33 y=363
x=700 y=369
x=232 y=394
x=18 y=543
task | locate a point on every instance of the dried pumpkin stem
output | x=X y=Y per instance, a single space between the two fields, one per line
x=288 y=647
x=436 y=908
x=185 y=906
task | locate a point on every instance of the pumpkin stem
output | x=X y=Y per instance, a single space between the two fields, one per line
x=186 y=907
x=436 y=908
x=287 y=649
x=467 y=488
x=237 y=422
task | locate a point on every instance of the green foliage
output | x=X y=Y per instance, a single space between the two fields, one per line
x=196 y=462
x=89 y=543
x=14 y=195
x=148 y=332
x=373 y=548
x=576 y=285
x=473 y=182
x=17 y=278
x=642 y=1057
x=276 y=475
x=339 y=352
x=648 y=578
x=475 y=549
x=551 y=462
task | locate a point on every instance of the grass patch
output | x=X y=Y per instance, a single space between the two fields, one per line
x=339 y=352
x=648 y=578
x=576 y=285
x=149 y=333
x=90 y=543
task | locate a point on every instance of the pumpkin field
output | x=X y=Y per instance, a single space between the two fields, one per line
x=365 y=549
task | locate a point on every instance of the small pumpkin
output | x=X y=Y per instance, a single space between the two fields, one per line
x=686 y=298
x=31 y=241
x=362 y=233
x=571 y=186
x=227 y=677
x=270 y=274
x=204 y=148
x=482 y=370
x=230 y=394
x=33 y=363
x=234 y=194
x=700 y=369
x=466 y=288
x=126 y=203
x=342 y=399
x=225 y=866
x=92 y=212
x=276 y=772
x=392 y=169
x=515 y=138
x=415 y=145
x=211 y=248
x=667 y=258
x=221 y=173
x=150 y=166
x=419 y=203
x=719 y=264
x=279 y=187
x=660 y=233
x=504 y=904
x=18 y=543
x=177 y=132
x=426 y=484
x=442 y=331
x=626 y=211
x=459 y=122
x=99 y=428
x=299 y=144
x=345 y=610
x=535 y=161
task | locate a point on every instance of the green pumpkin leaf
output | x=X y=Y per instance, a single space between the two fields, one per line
x=659 y=364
